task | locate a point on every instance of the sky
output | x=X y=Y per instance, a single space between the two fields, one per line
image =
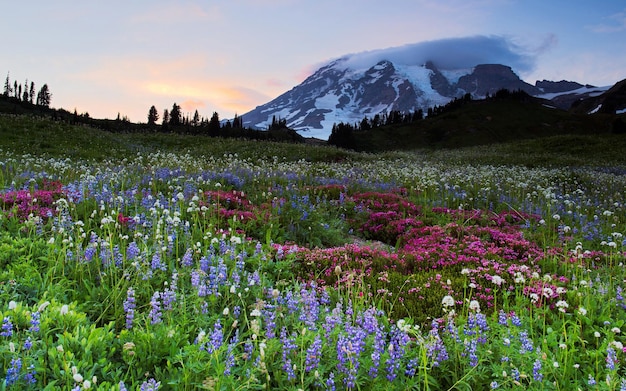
x=124 y=56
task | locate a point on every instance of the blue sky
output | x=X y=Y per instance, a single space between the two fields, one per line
x=233 y=55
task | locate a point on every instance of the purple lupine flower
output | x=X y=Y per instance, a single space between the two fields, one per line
x=269 y=318
x=105 y=256
x=204 y=264
x=28 y=344
x=399 y=339
x=156 y=263
x=216 y=339
x=195 y=278
x=436 y=349
x=129 y=307
x=150 y=385
x=309 y=312
x=187 y=260
x=169 y=294
x=13 y=373
x=515 y=320
x=230 y=355
x=254 y=278
x=122 y=386
x=537 y=375
x=30 y=375
x=155 y=312
x=117 y=256
x=35 y=322
x=377 y=351
x=313 y=354
x=289 y=345
x=330 y=382
x=7 y=327
x=611 y=358
x=591 y=380
x=502 y=318
x=333 y=319
x=470 y=351
x=90 y=252
x=527 y=344
x=132 y=251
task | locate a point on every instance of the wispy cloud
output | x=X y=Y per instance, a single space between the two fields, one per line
x=614 y=23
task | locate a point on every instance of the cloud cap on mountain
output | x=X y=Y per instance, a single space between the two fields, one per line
x=449 y=53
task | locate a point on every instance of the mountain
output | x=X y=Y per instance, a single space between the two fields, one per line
x=362 y=85
x=611 y=101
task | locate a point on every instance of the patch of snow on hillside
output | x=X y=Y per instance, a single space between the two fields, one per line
x=622 y=111
x=453 y=75
x=592 y=91
x=595 y=110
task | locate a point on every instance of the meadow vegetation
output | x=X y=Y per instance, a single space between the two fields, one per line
x=153 y=261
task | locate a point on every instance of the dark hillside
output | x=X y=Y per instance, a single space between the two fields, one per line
x=495 y=120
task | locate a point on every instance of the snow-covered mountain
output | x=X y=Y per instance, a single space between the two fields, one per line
x=365 y=84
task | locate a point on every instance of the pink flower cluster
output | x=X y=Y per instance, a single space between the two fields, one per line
x=39 y=202
x=486 y=250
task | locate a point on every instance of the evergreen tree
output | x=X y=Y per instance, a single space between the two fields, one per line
x=196 y=119
x=153 y=116
x=44 y=96
x=7 y=86
x=237 y=122
x=31 y=92
x=25 y=97
x=214 y=125
x=166 y=117
x=15 y=89
x=175 y=115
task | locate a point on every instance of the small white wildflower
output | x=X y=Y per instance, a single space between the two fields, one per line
x=474 y=305
x=447 y=301
x=226 y=311
x=582 y=311
x=12 y=305
x=78 y=378
x=497 y=280
x=562 y=346
x=255 y=312
x=556 y=217
x=596 y=334
x=616 y=330
x=64 y=309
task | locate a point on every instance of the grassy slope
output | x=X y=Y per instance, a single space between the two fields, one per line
x=27 y=134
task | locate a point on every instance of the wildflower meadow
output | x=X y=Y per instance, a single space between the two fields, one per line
x=250 y=270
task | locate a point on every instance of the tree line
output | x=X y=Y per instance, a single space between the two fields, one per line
x=26 y=92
